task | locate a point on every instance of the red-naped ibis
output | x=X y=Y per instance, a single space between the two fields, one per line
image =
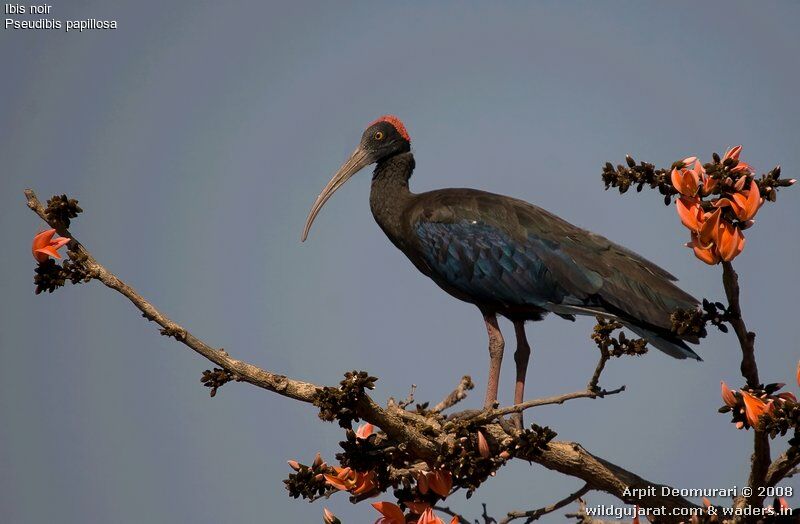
x=509 y=257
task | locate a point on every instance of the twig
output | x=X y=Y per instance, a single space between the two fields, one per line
x=782 y=467
x=447 y=511
x=456 y=396
x=490 y=414
x=486 y=518
x=760 y=460
x=392 y=402
x=536 y=514
x=598 y=370
x=749 y=367
x=409 y=399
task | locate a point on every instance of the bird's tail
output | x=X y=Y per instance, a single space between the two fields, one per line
x=672 y=346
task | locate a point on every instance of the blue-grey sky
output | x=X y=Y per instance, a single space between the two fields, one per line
x=197 y=135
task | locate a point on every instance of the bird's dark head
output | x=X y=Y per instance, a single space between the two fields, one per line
x=383 y=139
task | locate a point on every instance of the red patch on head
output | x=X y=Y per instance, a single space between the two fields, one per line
x=396 y=123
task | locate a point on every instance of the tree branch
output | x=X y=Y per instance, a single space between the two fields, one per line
x=456 y=396
x=782 y=467
x=760 y=460
x=536 y=514
x=483 y=416
x=566 y=457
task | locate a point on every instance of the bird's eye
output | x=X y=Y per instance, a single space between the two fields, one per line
x=378 y=135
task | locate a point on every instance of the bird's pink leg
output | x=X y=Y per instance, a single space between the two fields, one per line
x=496 y=345
x=521 y=357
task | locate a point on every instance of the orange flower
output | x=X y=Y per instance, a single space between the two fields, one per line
x=706 y=253
x=428 y=517
x=440 y=481
x=392 y=514
x=329 y=518
x=422 y=483
x=355 y=482
x=686 y=181
x=708 y=184
x=690 y=212
x=709 y=229
x=730 y=241
x=364 y=431
x=747 y=204
x=727 y=395
x=733 y=154
x=753 y=408
x=44 y=246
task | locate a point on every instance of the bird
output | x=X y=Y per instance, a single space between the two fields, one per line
x=508 y=257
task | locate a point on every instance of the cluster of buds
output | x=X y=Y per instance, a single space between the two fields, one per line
x=762 y=408
x=341 y=403
x=49 y=275
x=602 y=335
x=416 y=506
x=359 y=484
x=307 y=481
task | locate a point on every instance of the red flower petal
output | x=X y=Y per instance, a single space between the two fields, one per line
x=709 y=230
x=730 y=241
x=336 y=482
x=364 y=431
x=727 y=395
x=441 y=482
x=753 y=408
x=732 y=153
x=390 y=511
x=690 y=212
x=483 y=446
x=422 y=483
x=685 y=181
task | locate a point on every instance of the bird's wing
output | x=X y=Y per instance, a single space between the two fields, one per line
x=475 y=238
x=480 y=261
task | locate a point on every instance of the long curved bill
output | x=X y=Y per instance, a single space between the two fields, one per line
x=357 y=161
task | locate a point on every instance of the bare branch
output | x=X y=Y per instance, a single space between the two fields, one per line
x=592 y=391
x=483 y=416
x=760 y=460
x=598 y=370
x=536 y=514
x=783 y=467
x=447 y=511
x=456 y=396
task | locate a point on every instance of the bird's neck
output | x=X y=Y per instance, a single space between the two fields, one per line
x=390 y=195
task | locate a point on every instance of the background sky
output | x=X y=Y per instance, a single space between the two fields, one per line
x=196 y=137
